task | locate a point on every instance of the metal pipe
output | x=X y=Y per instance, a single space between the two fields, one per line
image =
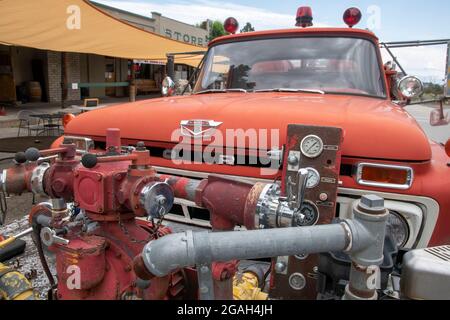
x=417 y=42
x=364 y=272
x=416 y=45
x=395 y=59
x=180 y=250
x=361 y=237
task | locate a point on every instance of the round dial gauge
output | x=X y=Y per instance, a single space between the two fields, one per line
x=310 y=212
x=311 y=146
x=313 y=178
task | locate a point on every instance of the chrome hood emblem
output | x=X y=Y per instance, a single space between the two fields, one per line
x=198 y=128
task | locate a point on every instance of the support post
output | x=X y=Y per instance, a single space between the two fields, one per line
x=171 y=66
x=63 y=79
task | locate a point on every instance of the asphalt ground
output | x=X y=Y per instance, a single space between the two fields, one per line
x=422 y=115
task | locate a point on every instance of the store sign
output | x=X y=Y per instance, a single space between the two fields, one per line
x=162 y=63
x=186 y=37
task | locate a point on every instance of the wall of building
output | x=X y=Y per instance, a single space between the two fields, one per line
x=96 y=74
x=92 y=69
x=54 y=76
x=164 y=26
x=133 y=19
x=72 y=75
x=22 y=58
x=121 y=68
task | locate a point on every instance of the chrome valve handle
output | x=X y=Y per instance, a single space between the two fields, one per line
x=302 y=179
x=49 y=237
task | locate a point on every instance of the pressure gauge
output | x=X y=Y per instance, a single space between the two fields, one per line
x=313 y=178
x=311 y=146
x=310 y=214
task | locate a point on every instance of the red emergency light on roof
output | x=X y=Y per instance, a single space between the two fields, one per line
x=352 y=16
x=304 y=17
x=231 y=25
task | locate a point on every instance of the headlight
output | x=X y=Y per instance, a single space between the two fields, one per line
x=410 y=87
x=398 y=228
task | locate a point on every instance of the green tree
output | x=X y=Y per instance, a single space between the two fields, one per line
x=434 y=89
x=248 y=28
x=202 y=25
x=217 y=30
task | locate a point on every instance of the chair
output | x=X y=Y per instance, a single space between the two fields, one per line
x=27 y=122
x=91 y=102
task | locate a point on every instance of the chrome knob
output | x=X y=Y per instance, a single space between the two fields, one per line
x=293 y=160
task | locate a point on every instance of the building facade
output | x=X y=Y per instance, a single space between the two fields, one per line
x=75 y=76
x=157 y=23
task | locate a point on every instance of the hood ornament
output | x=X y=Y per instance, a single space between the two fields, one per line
x=198 y=128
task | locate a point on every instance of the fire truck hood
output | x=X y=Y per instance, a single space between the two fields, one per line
x=373 y=128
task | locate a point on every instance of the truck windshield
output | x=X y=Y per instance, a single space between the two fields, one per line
x=324 y=64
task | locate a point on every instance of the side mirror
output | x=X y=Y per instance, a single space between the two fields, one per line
x=438 y=118
x=409 y=87
x=168 y=87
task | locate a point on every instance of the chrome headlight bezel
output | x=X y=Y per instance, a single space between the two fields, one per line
x=403 y=223
x=361 y=181
x=408 y=92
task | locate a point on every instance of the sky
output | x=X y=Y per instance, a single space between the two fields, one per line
x=397 y=20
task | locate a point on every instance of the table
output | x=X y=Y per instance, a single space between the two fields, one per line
x=51 y=122
x=85 y=109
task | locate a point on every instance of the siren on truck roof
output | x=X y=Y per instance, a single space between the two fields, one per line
x=352 y=16
x=231 y=25
x=304 y=17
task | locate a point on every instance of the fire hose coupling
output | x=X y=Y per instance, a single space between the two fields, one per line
x=157 y=199
x=275 y=211
x=271 y=212
x=37 y=179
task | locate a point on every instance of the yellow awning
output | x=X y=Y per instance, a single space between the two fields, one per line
x=78 y=26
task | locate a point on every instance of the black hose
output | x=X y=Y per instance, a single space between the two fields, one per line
x=40 y=249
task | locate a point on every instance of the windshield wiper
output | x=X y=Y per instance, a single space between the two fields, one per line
x=291 y=90
x=221 y=90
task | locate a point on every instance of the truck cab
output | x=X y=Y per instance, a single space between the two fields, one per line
x=251 y=86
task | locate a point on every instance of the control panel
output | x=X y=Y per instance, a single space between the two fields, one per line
x=312 y=161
